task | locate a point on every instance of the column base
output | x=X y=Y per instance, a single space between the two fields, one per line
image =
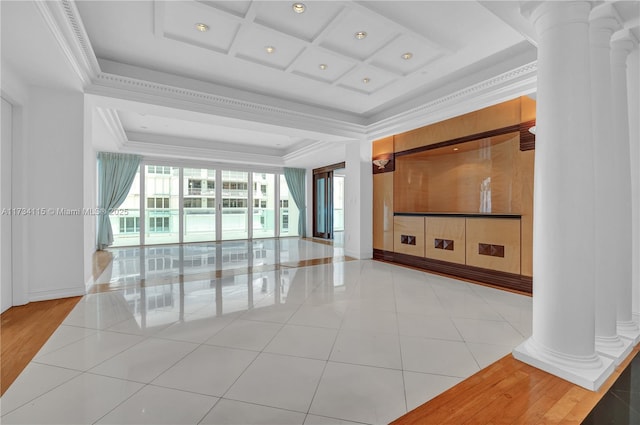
x=614 y=347
x=589 y=373
x=629 y=330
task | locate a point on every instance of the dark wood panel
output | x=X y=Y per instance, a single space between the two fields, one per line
x=505 y=280
x=527 y=139
x=328 y=168
x=469 y=138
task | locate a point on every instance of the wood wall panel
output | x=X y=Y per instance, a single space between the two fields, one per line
x=408 y=226
x=500 y=232
x=382 y=146
x=445 y=228
x=492 y=117
x=383 y=211
x=444 y=180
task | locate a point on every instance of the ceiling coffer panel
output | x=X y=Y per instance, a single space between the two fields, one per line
x=280 y=16
x=180 y=20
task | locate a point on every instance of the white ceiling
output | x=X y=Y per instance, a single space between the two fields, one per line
x=158 y=83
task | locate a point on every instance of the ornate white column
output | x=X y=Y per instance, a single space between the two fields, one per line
x=633 y=81
x=563 y=337
x=620 y=49
x=603 y=25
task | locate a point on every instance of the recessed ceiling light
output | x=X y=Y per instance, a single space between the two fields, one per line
x=407 y=56
x=366 y=80
x=299 y=7
x=270 y=49
x=323 y=66
x=360 y=35
x=202 y=27
x=456 y=149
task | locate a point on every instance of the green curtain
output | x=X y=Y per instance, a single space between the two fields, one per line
x=116 y=172
x=295 y=178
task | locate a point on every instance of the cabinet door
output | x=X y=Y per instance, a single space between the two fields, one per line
x=494 y=243
x=445 y=239
x=408 y=235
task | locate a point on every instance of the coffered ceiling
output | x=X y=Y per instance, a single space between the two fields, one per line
x=266 y=80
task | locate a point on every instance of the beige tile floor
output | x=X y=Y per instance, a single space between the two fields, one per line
x=343 y=342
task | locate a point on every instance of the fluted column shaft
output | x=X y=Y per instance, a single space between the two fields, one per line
x=607 y=340
x=622 y=189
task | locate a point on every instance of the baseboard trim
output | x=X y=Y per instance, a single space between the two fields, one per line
x=76 y=291
x=510 y=281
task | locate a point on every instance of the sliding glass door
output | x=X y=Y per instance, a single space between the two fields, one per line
x=323 y=205
x=162 y=199
x=199 y=204
x=168 y=204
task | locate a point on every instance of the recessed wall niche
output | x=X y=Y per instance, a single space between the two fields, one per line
x=479 y=176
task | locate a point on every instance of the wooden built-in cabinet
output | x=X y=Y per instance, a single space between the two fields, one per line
x=456 y=197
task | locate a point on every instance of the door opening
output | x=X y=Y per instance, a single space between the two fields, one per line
x=328 y=201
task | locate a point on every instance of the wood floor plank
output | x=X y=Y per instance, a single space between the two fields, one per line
x=24 y=330
x=511 y=392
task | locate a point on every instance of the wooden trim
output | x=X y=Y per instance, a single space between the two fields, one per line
x=491 y=133
x=464 y=215
x=391 y=166
x=527 y=139
x=502 y=279
x=328 y=168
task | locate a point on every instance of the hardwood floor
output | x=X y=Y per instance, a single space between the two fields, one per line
x=511 y=392
x=24 y=330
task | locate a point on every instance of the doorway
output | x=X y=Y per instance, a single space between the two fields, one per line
x=328 y=201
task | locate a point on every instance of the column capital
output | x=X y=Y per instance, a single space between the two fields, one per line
x=601 y=29
x=624 y=40
x=545 y=15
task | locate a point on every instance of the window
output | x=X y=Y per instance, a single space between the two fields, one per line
x=157 y=202
x=192 y=202
x=211 y=202
x=159 y=224
x=129 y=224
x=285 y=221
x=235 y=185
x=263 y=189
x=195 y=187
x=211 y=187
x=234 y=203
x=284 y=203
x=158 y=169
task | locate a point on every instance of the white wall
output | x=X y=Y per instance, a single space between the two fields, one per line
x=17 y=93
x=90 y=197
x=54 y=180
x=6 y=285
x=358 y=198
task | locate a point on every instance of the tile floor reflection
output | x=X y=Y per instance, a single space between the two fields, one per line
x=174 y=340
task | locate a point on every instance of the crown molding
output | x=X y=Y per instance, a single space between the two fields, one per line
x=200 y=153
x=112 y=85
x=112 y=121
x=508 y=85
x=62 y=19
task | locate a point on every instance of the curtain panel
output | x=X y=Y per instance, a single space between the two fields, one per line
x=295 y=178
x=116 y=172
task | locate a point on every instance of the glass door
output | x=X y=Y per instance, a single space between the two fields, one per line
x=199 y=201
x=235 y=205
x=323 y=204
